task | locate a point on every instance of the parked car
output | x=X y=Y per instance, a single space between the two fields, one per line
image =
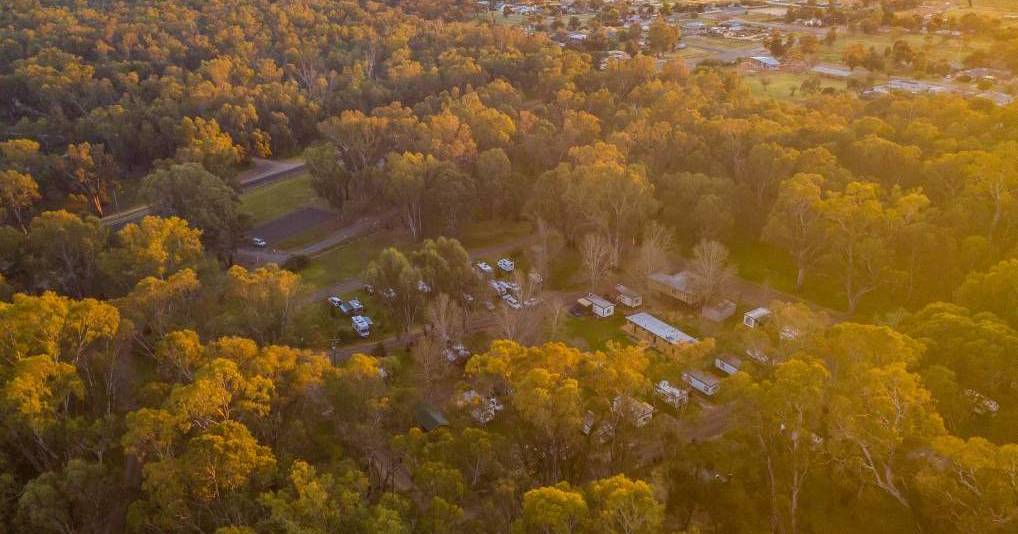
x=512 y=302
x=484 y=267
x=335 y=301
x=259 y=242
x=506 y=265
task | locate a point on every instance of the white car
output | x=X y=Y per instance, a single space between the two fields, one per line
x=512 y=302
x=506 y=265
x=259 y=242
x=484 y=267
x=335 y=301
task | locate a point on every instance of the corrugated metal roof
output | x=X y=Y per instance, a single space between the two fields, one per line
x=660 y=328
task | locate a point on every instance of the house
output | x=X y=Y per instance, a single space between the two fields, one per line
x=506 y=265
x=702 y=382
x=677 y=397
x=429 y=418
x=680 y=286
x=638 y=412
x=693 y=27
x=658 y=334
x=628 y=297
x=755 y=317
x=361 y=325
x=728 y=364
x=718 y=312
x=765 y=62
x=577 y=37
x=600 y=306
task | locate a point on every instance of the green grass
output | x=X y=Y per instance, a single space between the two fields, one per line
x=986 y=7
x=780 y=84
x=277 y=199
x=564 y=270
x=937 y=47
x=308 y=236
x=772 y=267
x=349 y=259
x=596 y=332
x=490 y=233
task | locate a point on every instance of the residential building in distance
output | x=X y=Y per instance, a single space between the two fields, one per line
x=679 y=286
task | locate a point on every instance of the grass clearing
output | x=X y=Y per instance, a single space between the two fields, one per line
x=785 y=85
x=279 y=198
x=349 y=259
x=937 y=47
x=596 y=332
x=309 y=235
x=483 y=234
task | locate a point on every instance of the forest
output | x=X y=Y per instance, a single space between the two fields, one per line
x=150 y=382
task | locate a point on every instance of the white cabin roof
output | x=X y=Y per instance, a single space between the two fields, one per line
x=660 y=328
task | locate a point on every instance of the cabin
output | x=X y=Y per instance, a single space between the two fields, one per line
x=728 y=364
x=429 y=418
x=600 y=307
x=755 y=317
x=658 y=334
x=627 y=297
x=674 y=396
x=679 y=286
x=702 y=382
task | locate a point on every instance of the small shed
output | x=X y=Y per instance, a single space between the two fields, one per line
x=755 y=317
x=719 y=311
x=628 y=297
x=728 y=364
x=430 y=418
x=600 y=306
x=702 y=382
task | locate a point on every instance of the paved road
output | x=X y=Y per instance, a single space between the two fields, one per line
x=262 y=172
x=253 y=256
